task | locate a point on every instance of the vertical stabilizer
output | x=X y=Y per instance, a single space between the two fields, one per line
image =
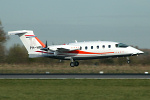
x=30 y=41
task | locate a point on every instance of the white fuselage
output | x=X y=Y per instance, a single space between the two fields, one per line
x=93 y=50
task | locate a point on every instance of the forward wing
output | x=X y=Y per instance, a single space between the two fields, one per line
x=63 y=48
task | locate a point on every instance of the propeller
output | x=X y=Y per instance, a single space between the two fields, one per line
x=45 y=48
x=46 y=44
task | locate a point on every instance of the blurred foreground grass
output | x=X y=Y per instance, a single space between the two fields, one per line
x=74 y=89
x=65 y=68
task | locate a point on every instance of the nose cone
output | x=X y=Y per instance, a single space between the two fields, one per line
x=140 y=52
x=135 y=51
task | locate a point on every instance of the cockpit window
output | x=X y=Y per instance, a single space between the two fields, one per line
x=121 y=45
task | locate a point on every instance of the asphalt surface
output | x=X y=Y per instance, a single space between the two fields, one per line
x=74 y=76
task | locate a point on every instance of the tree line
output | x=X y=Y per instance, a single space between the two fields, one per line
x=17 y=54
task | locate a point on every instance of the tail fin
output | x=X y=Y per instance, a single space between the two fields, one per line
x=30 y=41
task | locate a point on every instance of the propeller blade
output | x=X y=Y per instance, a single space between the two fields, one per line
x=46 y=44
x=45 y=48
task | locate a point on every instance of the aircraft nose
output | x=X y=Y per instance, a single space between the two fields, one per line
x=140 y=52
x=136 y=51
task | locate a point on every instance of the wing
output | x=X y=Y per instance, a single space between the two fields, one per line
x=63 y=48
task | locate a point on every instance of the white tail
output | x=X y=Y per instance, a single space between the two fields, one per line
x=30 y=41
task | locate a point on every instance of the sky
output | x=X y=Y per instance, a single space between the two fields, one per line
x=63 y=21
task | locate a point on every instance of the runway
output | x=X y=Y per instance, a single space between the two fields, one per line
x=74 y=76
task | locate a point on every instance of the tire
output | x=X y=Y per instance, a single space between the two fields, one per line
x=128 y=61
x=76 y=63
x=72 y=64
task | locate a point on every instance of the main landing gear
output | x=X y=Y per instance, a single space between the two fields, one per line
x=74 y=63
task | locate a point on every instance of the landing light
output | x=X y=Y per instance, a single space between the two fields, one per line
x=146 y=72
x=101 y=72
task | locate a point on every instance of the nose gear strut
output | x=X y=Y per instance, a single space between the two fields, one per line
x=128 y=60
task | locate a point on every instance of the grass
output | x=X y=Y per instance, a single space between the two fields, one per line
x=71 y=89
x=63 y=68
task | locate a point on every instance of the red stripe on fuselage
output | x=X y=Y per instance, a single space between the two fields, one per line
x=78 y=52
x=29 y=35
x=44 y=52
x=84 y=52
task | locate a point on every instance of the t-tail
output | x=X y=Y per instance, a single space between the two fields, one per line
x=31 y=42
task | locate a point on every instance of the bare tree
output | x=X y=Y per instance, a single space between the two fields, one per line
x=3 y=39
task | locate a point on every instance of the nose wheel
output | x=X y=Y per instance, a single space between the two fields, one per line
x=128 y=60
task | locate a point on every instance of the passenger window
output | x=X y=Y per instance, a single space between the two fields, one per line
x=86 y=47
x=103 y=46
x=97 y=47
x=91 y=47
x=80 y=48
x=109 y=46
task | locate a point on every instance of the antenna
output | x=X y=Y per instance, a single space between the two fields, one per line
x=76 y=41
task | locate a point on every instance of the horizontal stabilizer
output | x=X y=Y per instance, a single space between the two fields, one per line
x=17 y=32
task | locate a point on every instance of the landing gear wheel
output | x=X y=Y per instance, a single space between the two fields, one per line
x=76 y=63
x=128 y=61
x=72 y=64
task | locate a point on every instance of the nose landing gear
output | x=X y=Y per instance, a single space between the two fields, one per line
x=128 y=60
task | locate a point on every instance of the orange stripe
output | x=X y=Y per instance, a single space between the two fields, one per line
x=84 y=52
x=40 y=42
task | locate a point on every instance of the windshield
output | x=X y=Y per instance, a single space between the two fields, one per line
x=121 y=45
